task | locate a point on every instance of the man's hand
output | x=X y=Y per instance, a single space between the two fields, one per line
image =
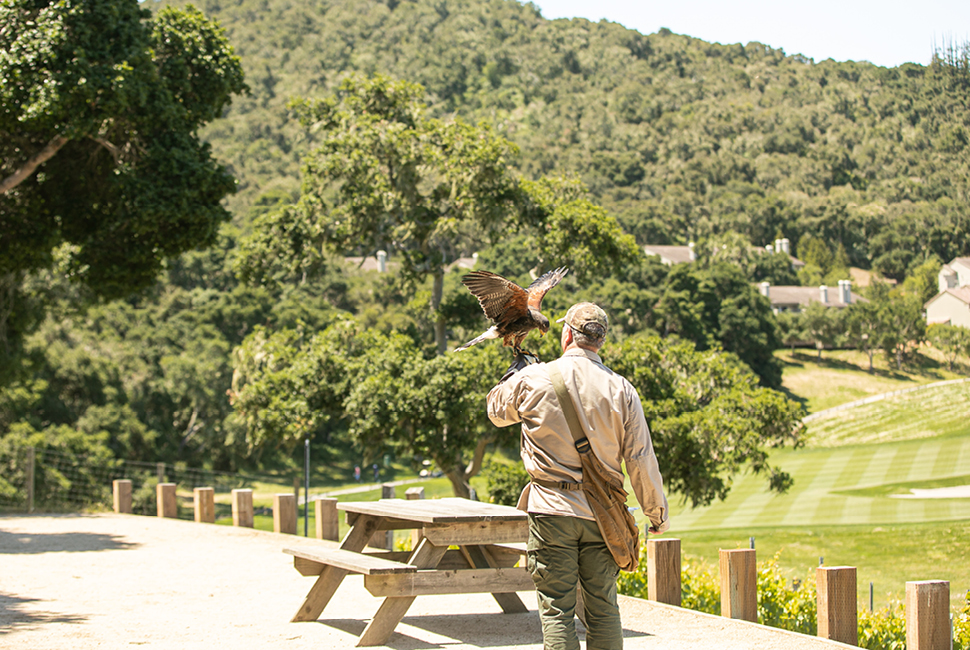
x=520 y=361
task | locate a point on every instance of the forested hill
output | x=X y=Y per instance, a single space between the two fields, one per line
x=677 y=137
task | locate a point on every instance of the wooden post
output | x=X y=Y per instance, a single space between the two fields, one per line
x=284 y=514
x=328 y=524
x=838 y=617
x=384 y=538
x=663 y=570
x=242 y=508
x=739 y=584
x=29 y=477
x=928 y=615
x=165 y=500
x=121 y=491
x=412 y=494
x=160 y=472
x=205 y=505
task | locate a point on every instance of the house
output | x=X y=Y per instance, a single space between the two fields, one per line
x=952 y=304
x=797 y=299
x=671 y=255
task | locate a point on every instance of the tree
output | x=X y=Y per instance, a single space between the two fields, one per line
x=386 y=175
x=791 y=328
x=822 y=325
x=901 y=324
x=101 y=104
x=862 y=327
x=951 y=340
x=708 y=417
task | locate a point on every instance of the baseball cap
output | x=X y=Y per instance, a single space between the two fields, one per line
x=587 y=318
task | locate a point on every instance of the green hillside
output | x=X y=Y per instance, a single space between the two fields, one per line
x=678 y=137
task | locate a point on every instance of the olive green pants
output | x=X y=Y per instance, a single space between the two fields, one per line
x=562 y=551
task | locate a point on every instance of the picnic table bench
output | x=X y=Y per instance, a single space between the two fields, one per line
x=486 y=535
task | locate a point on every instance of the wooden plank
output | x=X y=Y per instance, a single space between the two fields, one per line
x=330 y=578
x=479 y=558
x=204 y=500
x=351 y=560
x=928 y=615
x=478 y=532
x=838 y=617
x=450 y=510
x=466 y=581
x=393 y=609
x=452 y=559
x=308 y=567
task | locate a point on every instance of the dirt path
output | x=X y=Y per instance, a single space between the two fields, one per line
x=115 y=581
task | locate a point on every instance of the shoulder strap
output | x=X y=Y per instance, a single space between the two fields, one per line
x=566 y=403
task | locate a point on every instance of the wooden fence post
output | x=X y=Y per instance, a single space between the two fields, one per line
x=165 y=500
x=838 y=617
x=413 y=494
x=739 y=584
x=205 y=505
x=284 y=514
x=328 y=524
x=384 y=538
x=242 y=508
x=121 y=493
x=928 y=615
x=663 y=570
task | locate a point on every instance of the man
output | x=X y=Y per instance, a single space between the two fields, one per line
x=565 y=544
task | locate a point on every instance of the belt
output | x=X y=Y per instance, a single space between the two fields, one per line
x=558 y=485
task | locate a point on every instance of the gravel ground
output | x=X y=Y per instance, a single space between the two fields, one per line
x=114 y=581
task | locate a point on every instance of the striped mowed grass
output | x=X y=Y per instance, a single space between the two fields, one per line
x=845 y=474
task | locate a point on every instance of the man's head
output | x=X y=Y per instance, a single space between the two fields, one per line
x=586 y=325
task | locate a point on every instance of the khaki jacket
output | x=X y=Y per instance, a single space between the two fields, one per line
x=612 y=418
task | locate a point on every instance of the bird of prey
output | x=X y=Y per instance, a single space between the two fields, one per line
x=515 y=310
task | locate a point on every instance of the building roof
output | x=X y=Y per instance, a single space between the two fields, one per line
x=782 y=295
x=961 y=293
x=963 y=261
x=676 y=254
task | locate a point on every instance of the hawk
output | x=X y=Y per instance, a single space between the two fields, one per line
x=515 y=310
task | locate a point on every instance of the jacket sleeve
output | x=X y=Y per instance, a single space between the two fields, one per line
x=642 y=466
x=503 y=401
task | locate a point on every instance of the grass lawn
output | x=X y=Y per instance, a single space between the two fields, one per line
x=842 y=376
x=932 y=551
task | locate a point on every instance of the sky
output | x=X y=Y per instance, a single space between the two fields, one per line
x=887 y=33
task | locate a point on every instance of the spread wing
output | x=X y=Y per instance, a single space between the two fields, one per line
x=501 y=299
x=539 y=288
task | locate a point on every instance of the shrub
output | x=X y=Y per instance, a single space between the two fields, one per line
x=787 y=608
x=505 y=482
x=885 y=629
x=961 y=626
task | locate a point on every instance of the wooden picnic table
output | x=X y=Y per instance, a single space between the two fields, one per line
x=485 y=534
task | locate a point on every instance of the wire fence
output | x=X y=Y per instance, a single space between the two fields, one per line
x=50 y=480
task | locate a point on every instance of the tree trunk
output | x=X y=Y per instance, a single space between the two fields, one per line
x=869 y=352
x=32 y=164
x=437 y=290
x=459 y=482
x=8 y=287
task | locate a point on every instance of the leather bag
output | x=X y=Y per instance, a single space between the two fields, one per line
x=605 y=493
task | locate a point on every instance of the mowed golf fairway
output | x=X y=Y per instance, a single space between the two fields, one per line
x=884 y=453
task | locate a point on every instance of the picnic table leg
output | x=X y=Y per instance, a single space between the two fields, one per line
x=393 y=609
x=480 y=558
x=330 y=578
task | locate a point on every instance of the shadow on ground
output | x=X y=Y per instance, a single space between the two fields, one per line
x=33 y=543
x=13 y=614
x=490 y=630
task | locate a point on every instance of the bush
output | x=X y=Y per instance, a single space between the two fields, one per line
x=787 y=608
x=961 y=626
x=885 y=629
x=505 y=482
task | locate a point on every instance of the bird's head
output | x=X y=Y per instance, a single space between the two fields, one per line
x=543 y=324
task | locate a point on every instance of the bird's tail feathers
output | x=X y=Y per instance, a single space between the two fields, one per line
x=490 y=333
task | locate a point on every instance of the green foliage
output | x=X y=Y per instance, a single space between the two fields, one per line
x=707 y=416
x=787 y=607
x=505 y=482
x=951 y=340
x=961 y=626
x=885 y=629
